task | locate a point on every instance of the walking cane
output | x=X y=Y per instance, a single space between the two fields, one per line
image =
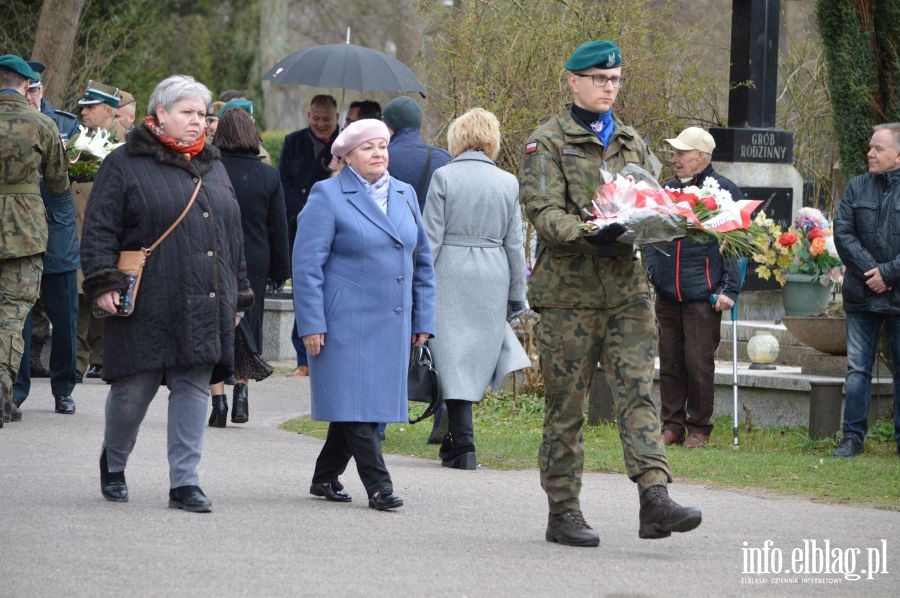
x=742 y=273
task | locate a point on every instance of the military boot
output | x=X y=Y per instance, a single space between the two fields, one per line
x=11 y=411
x=571 y=529
x=660 y=515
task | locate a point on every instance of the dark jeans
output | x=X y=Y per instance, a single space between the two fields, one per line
x=60 y=297
x=862 y=347
x=360 y=441
x=688 y=338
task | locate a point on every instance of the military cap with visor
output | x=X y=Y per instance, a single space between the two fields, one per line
x=601 y=54
x=98 y=93
x=125 y=98
x=39 y=68
x=18 y=65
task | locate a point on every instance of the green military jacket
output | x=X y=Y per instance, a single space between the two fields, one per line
x=560 y=174
x=30 y=151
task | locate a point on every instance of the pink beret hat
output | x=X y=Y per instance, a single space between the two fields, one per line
x=357 y=133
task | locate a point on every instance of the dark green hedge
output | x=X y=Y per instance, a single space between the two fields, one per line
x=863 y=69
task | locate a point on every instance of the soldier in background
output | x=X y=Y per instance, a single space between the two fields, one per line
x=98 y=111
x=593 y=298
x=59 y=290
x=127 y=110
x=31 y=151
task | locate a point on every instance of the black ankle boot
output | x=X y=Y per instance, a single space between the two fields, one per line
x=457 y=456
x=240 y=408
x=112 y=484
x=219 y=414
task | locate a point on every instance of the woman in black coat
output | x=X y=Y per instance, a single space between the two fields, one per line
x=264 y=223
x=181 y=331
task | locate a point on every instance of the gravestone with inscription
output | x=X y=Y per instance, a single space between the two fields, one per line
x=750 y=151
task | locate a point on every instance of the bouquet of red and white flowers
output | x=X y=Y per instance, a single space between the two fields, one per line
x=652 y=213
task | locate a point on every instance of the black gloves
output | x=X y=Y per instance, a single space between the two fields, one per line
x=275 y=286
x=607 y=234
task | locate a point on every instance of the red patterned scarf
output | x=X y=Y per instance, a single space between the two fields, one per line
x=182 y=147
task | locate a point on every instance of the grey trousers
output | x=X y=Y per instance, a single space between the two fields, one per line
x=127 y=404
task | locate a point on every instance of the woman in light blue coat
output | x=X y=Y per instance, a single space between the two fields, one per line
x=363 y=294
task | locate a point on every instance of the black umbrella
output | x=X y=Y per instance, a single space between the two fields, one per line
x=346 y=66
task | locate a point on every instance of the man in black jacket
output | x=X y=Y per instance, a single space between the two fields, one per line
x=694 y=285
x=305 y=159
x=866 y=235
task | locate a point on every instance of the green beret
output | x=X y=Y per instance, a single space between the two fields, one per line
x=18 y=65
x=243 y=104
x=597 y=54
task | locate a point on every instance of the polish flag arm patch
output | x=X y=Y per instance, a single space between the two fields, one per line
x=531 y=147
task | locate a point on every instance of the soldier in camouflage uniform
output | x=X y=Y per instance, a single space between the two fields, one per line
x=593 y=298
x=30 y=150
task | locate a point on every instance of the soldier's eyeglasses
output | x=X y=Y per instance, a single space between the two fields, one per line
x=602 y=80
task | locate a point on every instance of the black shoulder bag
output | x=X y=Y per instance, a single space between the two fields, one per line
x=422 y=382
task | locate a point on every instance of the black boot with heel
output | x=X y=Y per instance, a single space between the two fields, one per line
x=458 y=448
x=240 y=408
x=219 y=415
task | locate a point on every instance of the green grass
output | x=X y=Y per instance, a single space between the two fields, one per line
x=782 y=460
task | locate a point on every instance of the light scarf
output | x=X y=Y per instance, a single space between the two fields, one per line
x=378 y=190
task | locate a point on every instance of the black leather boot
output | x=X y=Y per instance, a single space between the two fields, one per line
x=240 y=408
x=112 y=484
x=660 y=515
x=570 y=529
x=219 y=415
x=455 y=456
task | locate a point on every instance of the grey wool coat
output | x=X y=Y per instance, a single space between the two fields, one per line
x=193 y=284
x=365 y=279
x=474 y=225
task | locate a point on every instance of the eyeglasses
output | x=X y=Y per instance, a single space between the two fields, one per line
x=602 y=80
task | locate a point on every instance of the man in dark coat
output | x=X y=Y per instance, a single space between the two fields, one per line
x=304 y=161
x=59 y=289
x=412 y=160
x=687 y=274
x=867 y=237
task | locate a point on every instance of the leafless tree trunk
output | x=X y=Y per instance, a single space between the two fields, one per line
x=54 y=42
x=282 y=110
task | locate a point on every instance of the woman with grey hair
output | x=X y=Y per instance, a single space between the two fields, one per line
x=475 y=229
x=181 y=331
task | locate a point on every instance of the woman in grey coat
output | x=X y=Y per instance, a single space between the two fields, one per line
x=181 y=332
x=474 y=227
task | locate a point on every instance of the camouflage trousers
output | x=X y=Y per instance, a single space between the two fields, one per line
x=571 y=343
x=20 y=286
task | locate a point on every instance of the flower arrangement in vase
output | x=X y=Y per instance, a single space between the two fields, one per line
x=804 y=251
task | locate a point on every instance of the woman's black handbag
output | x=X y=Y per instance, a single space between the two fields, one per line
x=422 y=382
